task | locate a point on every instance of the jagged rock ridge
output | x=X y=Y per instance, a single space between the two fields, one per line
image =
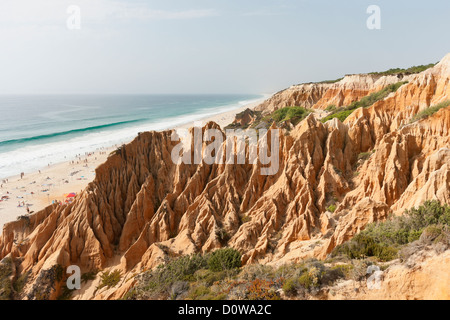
x=142 y=208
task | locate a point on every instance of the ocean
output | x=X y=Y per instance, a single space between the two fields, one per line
x=37 y=130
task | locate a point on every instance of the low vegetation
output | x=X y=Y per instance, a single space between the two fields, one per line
x=10 y=287
x=340 y=115
x=89 y=276
x=398 y=71
x=20 y=282
x=5 y=279
x=225 y=259
x=331 y=81
x=292 y=114
x=332 y=208
x=219 y=275
x=384 y=240
x=109 y=279
x=66 y=293
x=363 y=156
x=430 y=111
x=185 y=275
x=193 y=278
x=343 y=112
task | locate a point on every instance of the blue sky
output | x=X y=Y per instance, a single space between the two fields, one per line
x=209 y=46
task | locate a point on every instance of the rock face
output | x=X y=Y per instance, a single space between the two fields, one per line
x=427 y=279
x=142 y=208
x=246 y=117
x=321 y=95
x=424 y=276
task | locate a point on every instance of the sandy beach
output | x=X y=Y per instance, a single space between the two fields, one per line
x=35 y=191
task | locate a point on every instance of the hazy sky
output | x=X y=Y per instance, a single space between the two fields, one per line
x=209 y=46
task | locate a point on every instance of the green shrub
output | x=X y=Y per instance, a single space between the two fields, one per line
x=432 y=234
x=224 y=259
x=377 y=96
x=132 y=294
x=290 y=270
x=430 y=213
x=66 y=293
x=178 y=289
x=21 y=281
x=430 y=111
x=331 y=275
x=309 y=280
x=199 y=293
x=382 y=240
x=386 y=253
x=342 y=115
x=59 y=272
x=110 y=279
x=332 y=208
x=223 y=236
x=444 y=236
x=290 y=287
x=202 y=292
x=411 y=70
x=209 y=277
x=343 y=269
x=363 y=245
x=255 y=271
x=89 y=276
x=5 y=281
x=160 y=280
x=293 y=114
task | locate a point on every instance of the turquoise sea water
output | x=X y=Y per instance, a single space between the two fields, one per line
x=39 y=130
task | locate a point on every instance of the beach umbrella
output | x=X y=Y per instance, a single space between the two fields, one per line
x=71 y=195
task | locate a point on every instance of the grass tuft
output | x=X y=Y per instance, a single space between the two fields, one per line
x=430 y=111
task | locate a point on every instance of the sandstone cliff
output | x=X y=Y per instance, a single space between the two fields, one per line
x=423 y=277
x=321 y=95
x=142 y=209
